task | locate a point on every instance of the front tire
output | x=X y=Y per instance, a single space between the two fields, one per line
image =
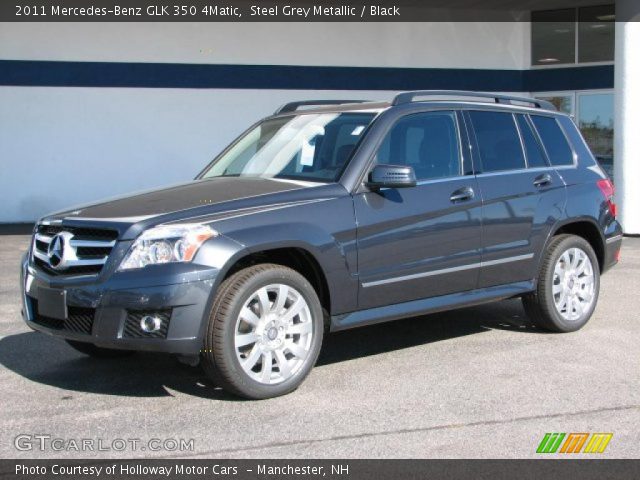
x=568 y=286
x=264 y=333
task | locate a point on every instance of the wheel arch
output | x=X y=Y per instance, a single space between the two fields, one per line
x=297 y=257
x=586 y=228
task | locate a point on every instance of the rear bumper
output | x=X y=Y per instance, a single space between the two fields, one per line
x=108 y=316
x=612 y=246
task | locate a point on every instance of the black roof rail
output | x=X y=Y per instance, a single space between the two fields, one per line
x=408 y=97
x=293 y=106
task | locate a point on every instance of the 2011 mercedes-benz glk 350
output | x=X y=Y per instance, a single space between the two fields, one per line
x=328 y=217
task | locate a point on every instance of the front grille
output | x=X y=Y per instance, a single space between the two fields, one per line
x=86 y=250
x=132 y=323
x=79 y=319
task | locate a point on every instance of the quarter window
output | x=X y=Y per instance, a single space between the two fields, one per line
x=498 y=141
x=554 y=140
x=428 y=142
x=535 y=156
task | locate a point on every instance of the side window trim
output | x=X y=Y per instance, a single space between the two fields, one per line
x=522 y=146
x=468 y=160
x=525 y=117
x=473 y=144
x=574 y=154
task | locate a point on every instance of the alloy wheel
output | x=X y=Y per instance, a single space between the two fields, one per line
x=273 y=334
x=573 y=284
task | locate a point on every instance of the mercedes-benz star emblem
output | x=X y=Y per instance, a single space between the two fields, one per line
x=56 y=251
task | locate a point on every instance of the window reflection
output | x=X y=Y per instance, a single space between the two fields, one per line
x=553 y=37
x=554 y=40
x=595 y=119
x=596 y=34
x=564 y=103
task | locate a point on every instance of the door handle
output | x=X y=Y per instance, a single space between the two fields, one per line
x=542 y=180
x=462 y=195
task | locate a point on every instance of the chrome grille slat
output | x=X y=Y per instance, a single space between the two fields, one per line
x=92 y=243
x=43 y=238
x=42 y=256
x=87 y=261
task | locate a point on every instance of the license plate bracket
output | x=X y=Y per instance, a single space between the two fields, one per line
x=52 y=302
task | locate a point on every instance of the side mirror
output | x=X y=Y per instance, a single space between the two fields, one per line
x=391 y=176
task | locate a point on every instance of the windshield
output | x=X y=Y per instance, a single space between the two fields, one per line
x=312 y=147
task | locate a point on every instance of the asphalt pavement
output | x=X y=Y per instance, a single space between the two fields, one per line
x=472 y=383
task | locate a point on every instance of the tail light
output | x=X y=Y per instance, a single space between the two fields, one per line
x=607 y=189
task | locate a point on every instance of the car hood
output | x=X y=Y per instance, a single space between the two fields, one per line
x=199 y=198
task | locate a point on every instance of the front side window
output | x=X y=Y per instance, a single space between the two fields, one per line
x=313 y=147
x=554 y=141
x=498 y=141
x=428 y=142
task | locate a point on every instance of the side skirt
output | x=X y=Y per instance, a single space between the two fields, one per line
x=429 y=305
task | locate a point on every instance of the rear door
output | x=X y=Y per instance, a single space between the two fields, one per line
x=422 y=241
x=522 y=196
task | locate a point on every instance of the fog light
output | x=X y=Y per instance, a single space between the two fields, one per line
x=150 y=324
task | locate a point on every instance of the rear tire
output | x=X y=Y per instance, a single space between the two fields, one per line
x=264 y=333
x=98 y=352
x=568 y=286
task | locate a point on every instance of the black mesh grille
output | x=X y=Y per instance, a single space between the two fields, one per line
x=132 y=324
x=97 y=252
x=79 y=319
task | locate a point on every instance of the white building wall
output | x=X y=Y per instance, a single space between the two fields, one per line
x=66 y=145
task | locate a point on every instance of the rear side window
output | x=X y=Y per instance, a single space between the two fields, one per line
x=535 y=156
x=428 y=142
x=498 y=141
x=554 y=141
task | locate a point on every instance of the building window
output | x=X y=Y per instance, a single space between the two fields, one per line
x=596 y=34
x=573 y=35
x=595 y=119
x=553 y=37
x=562 y=101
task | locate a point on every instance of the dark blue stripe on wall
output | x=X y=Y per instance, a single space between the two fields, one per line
x=573 y=78
x=171 y=75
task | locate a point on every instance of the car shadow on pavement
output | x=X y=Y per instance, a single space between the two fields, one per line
x=385 y=337
x=50 y=361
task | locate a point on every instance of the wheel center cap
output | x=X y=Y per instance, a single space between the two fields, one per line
x=272 y=333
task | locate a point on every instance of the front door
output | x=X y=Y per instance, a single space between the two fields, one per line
x=422 y=241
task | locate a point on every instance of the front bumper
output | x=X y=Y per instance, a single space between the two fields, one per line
x=107 y=312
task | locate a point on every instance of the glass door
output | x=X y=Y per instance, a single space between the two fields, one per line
x=595 y=119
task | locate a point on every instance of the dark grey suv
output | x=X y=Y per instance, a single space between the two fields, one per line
x=327 y=216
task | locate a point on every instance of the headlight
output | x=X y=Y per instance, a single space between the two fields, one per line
x=166 y=244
